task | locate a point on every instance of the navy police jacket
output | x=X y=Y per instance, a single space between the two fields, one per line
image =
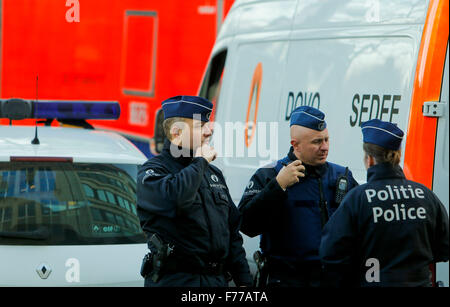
x=385 y=233
x=289 y=222
x=186 y=202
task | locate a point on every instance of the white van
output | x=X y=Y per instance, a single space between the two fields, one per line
x=354 y=60
x=67 y=203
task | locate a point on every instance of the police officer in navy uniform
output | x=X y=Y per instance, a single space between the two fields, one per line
x=288 y=202
x=388 y=231
x=184 y=200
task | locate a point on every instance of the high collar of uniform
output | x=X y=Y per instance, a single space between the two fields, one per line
x=315 y=171
x=179 y=154
x=384 y=171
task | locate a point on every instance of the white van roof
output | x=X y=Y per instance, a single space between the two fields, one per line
x=84 y=146
x=257 y=16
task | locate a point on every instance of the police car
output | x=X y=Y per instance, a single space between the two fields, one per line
x=67 y=199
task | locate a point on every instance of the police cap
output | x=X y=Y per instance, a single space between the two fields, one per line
x=187 y=106
x=384 y=134
x=308 y=117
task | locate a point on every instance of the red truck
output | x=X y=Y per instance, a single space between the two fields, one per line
x=135 y=52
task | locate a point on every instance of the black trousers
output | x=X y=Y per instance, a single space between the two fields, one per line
x=182 y=279
x=306 y=274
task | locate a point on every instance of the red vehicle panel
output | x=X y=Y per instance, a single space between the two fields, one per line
x=136 y=52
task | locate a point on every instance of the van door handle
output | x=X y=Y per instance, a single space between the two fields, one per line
x=434 y=108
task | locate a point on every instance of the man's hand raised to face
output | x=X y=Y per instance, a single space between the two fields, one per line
x=289 y=175
x=206 y=151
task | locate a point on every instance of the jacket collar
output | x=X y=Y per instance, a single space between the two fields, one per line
x=384 y=171
x=315 y=171
x=185 y=155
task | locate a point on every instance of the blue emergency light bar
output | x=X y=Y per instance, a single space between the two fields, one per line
x=16 y=109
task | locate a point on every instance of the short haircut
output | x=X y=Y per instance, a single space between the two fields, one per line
x=167 y=124
x=382 y=155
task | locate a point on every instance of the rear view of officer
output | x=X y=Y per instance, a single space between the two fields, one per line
x=185 y=208
x=388 y=231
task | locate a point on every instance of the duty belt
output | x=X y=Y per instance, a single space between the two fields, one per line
x=290 y=265
x=210 y=268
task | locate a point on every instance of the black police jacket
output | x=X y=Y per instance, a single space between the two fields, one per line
x=290 y=222
x=186 y=202
x=385 y=233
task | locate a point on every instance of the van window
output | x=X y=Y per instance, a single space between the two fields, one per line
x=68 y=204
x=212 y=82
x=210 y=90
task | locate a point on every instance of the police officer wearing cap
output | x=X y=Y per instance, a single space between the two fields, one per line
x=288 y=203
x=185 y=208
x=388 y=231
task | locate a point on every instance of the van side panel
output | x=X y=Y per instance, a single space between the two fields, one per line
x=246 y=121
x=352 y=76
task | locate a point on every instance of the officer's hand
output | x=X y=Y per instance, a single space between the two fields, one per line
x=206 y=151
x=290 y=174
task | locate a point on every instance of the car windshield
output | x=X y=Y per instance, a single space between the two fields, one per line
x=49 y=203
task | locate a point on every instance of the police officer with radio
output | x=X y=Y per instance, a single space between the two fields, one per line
x=289 y=202
x=388 y=231
x=185 y=207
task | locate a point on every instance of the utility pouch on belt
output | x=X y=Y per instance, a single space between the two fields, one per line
x=163 y=250
x=147 y=264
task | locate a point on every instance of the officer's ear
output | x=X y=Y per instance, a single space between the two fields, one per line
x=294 y=143
x=174 y=132
x=297 y=133
x=176 y=129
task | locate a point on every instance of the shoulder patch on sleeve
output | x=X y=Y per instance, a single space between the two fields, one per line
x=151 y=173
x=152 y=169
x=250 y=189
